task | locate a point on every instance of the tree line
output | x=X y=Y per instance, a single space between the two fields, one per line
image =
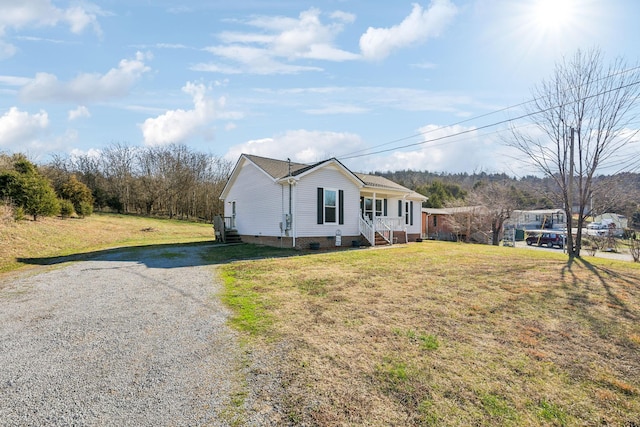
x=170 y=181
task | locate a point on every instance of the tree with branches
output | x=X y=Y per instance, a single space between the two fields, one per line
x=582 y=113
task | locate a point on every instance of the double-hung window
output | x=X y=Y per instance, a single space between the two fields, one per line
x=330 y=205
x=379 y=207
x=408 y=212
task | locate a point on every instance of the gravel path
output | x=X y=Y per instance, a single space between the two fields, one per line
x=131 y=338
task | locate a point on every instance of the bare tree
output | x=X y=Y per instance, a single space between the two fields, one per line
x=118 y=168
x=500 y=199
x=582 y=112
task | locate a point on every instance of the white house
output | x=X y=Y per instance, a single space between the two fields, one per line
x=538 y=219
x=608 y=224
x=288 y=204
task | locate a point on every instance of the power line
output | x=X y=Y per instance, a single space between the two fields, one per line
x=347 y=157
x=354 y=154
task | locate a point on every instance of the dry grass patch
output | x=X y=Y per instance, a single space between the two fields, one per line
x=448 y=334
x=49 y=237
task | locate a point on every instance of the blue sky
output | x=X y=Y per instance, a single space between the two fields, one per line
x=291 y=78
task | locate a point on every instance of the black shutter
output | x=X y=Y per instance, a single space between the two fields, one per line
x=320 y=205
x=411 y=212
x=385 y=208
x=340 y=207
x=400 y=208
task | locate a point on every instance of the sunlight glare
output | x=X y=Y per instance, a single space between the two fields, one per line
x=552 y=15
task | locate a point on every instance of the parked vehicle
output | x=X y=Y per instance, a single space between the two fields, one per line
x=604 y=228
x=546 y=239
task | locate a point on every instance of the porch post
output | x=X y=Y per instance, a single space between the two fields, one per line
x=373 y=209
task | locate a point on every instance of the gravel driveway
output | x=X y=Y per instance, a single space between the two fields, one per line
x=127 y=338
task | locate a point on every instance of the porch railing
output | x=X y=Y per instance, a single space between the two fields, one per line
x=366 y=229
x=384 y=229
x=221 y=225
x=230 y=222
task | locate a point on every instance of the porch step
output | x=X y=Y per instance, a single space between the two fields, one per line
x=232 y=236
x=380 y=241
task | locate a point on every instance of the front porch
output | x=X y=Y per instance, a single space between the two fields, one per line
x=383 y=231
x=385 y=217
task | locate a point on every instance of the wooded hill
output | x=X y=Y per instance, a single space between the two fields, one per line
x=618 y=193
x=174 y=181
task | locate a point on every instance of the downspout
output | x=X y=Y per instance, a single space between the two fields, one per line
x=426 y=226
x=407 y=206
x=290 y=225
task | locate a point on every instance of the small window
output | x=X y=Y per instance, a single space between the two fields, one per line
x=406 y=213
x=378 y=207
x=368 y=207
x=330 y=205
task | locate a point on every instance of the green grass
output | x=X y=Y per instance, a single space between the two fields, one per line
x=251 y=313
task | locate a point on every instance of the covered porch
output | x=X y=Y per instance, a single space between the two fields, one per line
x=385 y=217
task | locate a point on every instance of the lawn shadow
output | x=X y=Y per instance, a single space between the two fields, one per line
x=170 y=255
x=601 y=274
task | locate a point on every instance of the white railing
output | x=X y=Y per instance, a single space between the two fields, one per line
x=367 y=230
x=395 y=224
x=383 y=226
x=384 y=229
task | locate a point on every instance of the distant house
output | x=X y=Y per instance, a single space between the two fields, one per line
x=455 y=223
x=288 y=204
x=537 y=219
x=608 y=224
x=435 y=224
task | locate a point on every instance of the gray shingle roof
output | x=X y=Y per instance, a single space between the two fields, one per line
x=280 y=168
x=276 y=168
x=380 y=182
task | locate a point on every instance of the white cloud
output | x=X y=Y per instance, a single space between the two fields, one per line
x=79 y=112
x=280 y=41
x=95 y=153
x=37 y=13
x=178 y=125
x=420 y=25
x=250 y=59
x=299 y=145
x=14 y=80
x=450 y=149
x=87 y=87
x=345 y=17
x=337 y=109
x=360 y=99
x=7 y=50
x=22 y=129
x=79 y=18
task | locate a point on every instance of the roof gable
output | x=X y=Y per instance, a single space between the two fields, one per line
x=282 y=170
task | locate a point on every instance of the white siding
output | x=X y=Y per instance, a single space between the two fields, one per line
x=259 y=202
x=306 y=203
x=416 y=228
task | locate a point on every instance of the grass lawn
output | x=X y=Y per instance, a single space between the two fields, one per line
x=431 y=333
x=57 y=237
x=440 y=333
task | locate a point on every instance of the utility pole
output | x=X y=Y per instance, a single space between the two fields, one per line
x=570 y=196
